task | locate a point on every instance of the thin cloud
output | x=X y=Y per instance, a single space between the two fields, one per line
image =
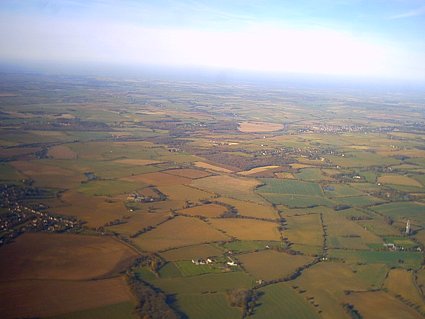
x=409 y=14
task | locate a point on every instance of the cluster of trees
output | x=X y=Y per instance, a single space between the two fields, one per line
x=152 y=303
x=243 y=298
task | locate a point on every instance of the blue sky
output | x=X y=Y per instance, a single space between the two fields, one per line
x=373 y=39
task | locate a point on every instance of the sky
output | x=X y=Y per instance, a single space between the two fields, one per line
x=358 y=38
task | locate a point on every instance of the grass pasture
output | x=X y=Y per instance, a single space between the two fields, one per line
x=216 y=282
x=108 y=187
x=247 y=229
x=291 y=187
x=407 y=260
x=341 y=190
x=281 y=301
x=297 y=201
x=239 y=246
x=158 y=179
x=192 y=252
x=250 y=209
x=188 y=269
x=379 y=227
x=373 y=275
x=207 y=306
x=304 y=229
x=402 y=210
x=270 y=264
x=358 y=201
x=399 y=180
x=235 y=187
x=185 y=193
x=344 y=233
x=177 y=232
x=312 y=174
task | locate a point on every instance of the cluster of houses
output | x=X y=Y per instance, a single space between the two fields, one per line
x=209 y=261
x=135 y=197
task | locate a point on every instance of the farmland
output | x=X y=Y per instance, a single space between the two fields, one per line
x=167 y=199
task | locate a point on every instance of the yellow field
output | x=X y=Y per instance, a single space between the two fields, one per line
x=185 y=193
x=137 y=162
x=420 y=279
x=180 y=231
x=326 y=283
x=299 y=165
x=210 y=210
x=139 y=221
x=401 y=282
x=344 y=233
x=284 y=175
x=96 y=210
x=304 y=229
x=191 y=252
x=188 y=173
x=235 y=187
x=47 y=175
x=10 y=152
x=158 y=179
x=259 y=127
x=250 y=209
x=161 y=206
x=380 y=305
x=257 y=170
x=270 y=264
x=61 y=152
x=399 y=180
x=247 y=229
x=212 y=167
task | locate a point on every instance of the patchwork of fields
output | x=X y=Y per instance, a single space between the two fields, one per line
x=167 y=207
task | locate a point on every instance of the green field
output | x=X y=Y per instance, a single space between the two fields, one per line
x=109 y=187
x=205 y=283
x=281 y=301
x=358 y=201
x=408 y=260
x=402 y=210
x=207 y=306
x=239 y=246
x=291 y=187
x=297 y=201
x=187 y=268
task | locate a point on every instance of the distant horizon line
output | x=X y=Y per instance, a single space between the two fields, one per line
x=201 y=73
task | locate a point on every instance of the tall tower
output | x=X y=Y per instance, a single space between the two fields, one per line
x=408 y=227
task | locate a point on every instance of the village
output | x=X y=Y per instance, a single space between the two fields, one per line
x=19 y=218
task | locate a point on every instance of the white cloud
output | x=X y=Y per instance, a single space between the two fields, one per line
x=412 y=13
x=257 y=47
